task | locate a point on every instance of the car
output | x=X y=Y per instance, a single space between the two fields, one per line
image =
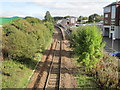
x=117 y=54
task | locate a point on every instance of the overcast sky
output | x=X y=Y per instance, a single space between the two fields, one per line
x=37 y=8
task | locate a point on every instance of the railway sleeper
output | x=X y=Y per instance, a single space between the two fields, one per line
x=52 y=83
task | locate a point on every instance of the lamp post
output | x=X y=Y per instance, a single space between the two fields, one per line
x=113 y=38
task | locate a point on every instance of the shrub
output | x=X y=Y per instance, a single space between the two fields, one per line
x=22 y=24
x=106 y=72
x=50 y=26
x=22 y=38
x=32 y=20
x=20 y=44
x=86 y=42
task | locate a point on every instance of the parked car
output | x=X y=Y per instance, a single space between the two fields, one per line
x=117 y=54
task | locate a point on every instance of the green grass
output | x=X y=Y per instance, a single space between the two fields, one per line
x=84 y=81
x=15 y=74
x=7 y=20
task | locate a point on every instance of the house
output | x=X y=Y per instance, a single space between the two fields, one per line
x=72 y=20
x=111 y=22
x=68 y=21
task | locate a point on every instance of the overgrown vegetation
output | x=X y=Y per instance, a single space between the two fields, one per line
x=25 y=37
x=15 y=74
x=24 y=41
x=87 y=45
x=106 y=72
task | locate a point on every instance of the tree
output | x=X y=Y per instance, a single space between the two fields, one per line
x=66 y=17
x=48 y=17
x=57 y=18
x=95 y=17
x=22 y=38
x=82 y=18
x=87 y=44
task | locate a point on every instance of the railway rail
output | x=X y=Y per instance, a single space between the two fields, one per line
x=52 y=65
x=48 y=72
x=53 y=77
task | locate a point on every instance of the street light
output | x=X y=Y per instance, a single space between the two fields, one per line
x=113 y=38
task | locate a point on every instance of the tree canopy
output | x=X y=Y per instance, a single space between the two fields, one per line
x=22 y=38
x=82 y=18
x=95 y=17
x=48 y=17
x=86 y=42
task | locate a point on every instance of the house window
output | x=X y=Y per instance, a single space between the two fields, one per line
x=112 y=28
x=106 y=15
x=113 y=21
x=113 y=12
x=107 y=9
x=106 y=21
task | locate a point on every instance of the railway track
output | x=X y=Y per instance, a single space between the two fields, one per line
x=53 y=77
x=49 y=74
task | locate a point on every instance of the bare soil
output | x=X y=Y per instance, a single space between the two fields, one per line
x=68 y=68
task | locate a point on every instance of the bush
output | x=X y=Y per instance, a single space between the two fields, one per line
x=22 y=24
x=22 y=38
x=86 y=42
x=106 y=72
x=20 y=45
x=32 y=20
x=50 y=26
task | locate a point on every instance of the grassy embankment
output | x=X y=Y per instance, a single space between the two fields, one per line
x=24 y=43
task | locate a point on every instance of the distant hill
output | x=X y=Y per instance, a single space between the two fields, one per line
x=7 y=20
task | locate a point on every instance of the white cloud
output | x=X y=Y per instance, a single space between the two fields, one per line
x=74 y=7
x=64 y=7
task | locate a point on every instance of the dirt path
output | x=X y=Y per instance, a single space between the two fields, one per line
x=67 y=66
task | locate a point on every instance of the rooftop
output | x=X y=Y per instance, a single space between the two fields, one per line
x=114 y=3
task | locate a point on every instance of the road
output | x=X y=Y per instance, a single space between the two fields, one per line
x=108 y=48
